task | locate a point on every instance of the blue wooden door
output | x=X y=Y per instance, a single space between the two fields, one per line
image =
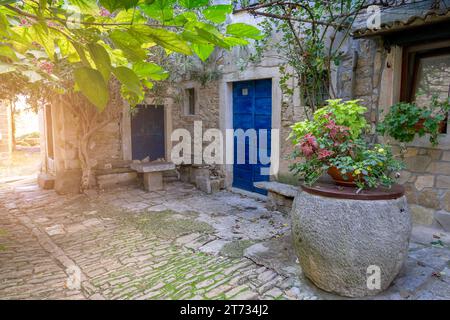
x=147 y=133
x=252 y=109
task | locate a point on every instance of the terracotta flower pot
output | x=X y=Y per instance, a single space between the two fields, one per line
x=349 y=181
x=419 y=125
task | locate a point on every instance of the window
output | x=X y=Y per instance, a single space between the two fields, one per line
x=426 y=73
x=190 y=101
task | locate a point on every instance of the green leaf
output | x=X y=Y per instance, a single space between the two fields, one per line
x=212 y=38
x=150 y=70
x=244 y=30
x=4 y=2
x=6 y=51
x=191 y=4
x=129 y=79
x=168 y=40
x=161 y=10
x=101 y=59
x=217 y=13
x=113 y=5
x=130 y=46
x=93 y=86
x=233 y=41
x=203 y=51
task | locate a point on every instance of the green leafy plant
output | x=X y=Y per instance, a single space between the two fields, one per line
x=405 y=121
x=345 y=113
x=98 y=40
x=333 y=139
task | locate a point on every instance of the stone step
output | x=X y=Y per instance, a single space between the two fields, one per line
x=116 y=179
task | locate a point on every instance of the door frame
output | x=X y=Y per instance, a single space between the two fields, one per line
x=226 y=111
x=126 y=129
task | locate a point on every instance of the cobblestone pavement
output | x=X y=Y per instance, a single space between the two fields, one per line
x=177 y=244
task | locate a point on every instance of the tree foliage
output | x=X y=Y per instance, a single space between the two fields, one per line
x=80 y=44
x=309 y=36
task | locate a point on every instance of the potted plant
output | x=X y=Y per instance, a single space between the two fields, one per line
x=341 y=237
x=332 y=142
x=405 y=121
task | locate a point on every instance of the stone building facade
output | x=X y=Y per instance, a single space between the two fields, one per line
x=5 y=132
x=375 y=70
x=371 y=71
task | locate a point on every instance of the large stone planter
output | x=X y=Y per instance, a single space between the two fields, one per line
x=337 y=240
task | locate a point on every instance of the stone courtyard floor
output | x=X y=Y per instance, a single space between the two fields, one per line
x=177 y=244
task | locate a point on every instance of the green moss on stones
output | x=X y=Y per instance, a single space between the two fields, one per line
x=236 y=249
x=169 y=224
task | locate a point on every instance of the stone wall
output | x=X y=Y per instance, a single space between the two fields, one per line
x=5 y=132
x=105 y=149
x=376 y=83
x=206 y=110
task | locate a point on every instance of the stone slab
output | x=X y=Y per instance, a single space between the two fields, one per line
x=152 y=167
x=277 y=187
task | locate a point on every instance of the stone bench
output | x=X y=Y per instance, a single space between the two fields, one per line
x=280 y=195
x=153 y=173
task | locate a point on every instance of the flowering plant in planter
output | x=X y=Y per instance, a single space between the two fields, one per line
x=332 y=142
x=406 y=120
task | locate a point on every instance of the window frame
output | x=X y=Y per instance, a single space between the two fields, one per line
x=410 y=68
x=187 y=104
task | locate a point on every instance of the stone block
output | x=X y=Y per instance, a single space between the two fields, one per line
x=439 y=168
x=198 y=172
x=185 y=173
x=46 y=181
x=116 y=179
x=443 y=218
x=421 y=215
x=446 y=156
x=216 y=185
x=429 y=198
x=446 y=201
x=203 y=183
x=153 y=181
x=68 y=182
x=443 y=182
x=417 y=163
x=422 y=182
x=435 y=154
x=404 y=177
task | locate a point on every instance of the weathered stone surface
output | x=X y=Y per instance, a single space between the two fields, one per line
x=153 y=181
x=203 y=183
x=422 y=182
x=446 y=201
x=276 y=187
x=336 y=240
x=439 y=168
x=68 y=182
x=443 y=181
x=446 y=156
x=417 y=163
x=421 y=215
x=152 y=166
x=443 y=218
x=116 y=179
x=429 y=198
x=46 y=181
